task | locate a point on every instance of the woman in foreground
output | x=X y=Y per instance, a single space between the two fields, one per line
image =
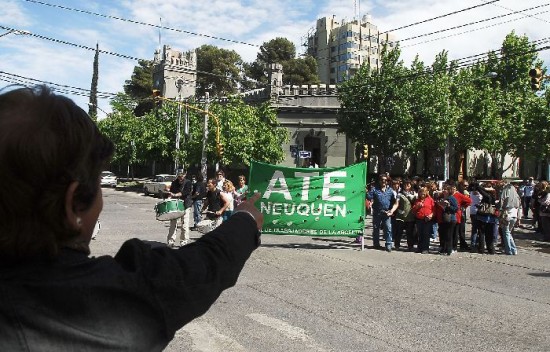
x=53 y=295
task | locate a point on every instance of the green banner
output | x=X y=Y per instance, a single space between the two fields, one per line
x=310 y=201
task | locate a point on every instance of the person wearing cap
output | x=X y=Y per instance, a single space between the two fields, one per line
x=181 y=188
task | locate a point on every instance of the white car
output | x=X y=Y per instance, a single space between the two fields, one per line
x=159 y=186
x=108 y=179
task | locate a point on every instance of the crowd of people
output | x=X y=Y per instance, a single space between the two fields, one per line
x=427 y=212
x=214 y=200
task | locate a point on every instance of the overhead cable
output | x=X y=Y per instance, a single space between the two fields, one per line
x=141 y=23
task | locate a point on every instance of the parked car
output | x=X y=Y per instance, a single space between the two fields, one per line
x=159 y=186
x=108 y=179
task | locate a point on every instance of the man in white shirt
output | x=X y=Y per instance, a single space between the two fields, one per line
x=526 y=195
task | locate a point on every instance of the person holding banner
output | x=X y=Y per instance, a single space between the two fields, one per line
x=384 y=205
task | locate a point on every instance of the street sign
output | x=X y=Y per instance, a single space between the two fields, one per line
x=304 y=154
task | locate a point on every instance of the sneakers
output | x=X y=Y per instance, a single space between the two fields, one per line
x=183 y=243
x=171 y=243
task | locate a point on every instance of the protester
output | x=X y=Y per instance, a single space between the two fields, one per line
x=383 y=206
x=227 y=194
x=476 y=198
x=446 y=210
x=423 y=210
x=220 y=179
x=526 y=191
x=181 y=188
x=509 y=204
x=487 y=220
x=53 y=296
x=459 y=231
x=214 y=204
x=544 y=212
x=199 y=193
x=241 y=192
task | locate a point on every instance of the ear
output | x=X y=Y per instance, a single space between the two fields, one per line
x=71 y=212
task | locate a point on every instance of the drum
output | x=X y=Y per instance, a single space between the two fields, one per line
x=169 y=209
x=205 y=226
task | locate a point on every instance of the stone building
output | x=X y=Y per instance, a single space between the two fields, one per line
x=175 y=73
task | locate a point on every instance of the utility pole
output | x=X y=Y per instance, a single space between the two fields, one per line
x=204 y=165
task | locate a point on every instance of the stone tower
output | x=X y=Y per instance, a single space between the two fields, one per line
x=175 y=73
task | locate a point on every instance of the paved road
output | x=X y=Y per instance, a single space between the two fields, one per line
x=324 y=294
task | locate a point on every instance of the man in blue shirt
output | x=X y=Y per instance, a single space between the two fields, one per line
x=383 y=206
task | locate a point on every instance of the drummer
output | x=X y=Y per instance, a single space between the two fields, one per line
x=181 y=188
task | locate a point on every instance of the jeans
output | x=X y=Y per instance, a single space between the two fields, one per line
x=379 y=220
x=509 y=244
x=197 y=206
x=434 y=230
x=475 y=230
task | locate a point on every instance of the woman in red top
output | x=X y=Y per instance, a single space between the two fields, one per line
x=423 y=210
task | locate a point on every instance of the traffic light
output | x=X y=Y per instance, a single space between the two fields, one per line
x=536 y=78
x=365 y=151
x=220 y=150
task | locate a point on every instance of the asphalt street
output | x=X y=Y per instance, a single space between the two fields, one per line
x=325 y=294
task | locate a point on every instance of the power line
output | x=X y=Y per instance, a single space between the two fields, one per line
x=140 y=23
x=524 y=15
x=441 y=16
x=59 y=41
x=472 y=23
x=464 y=32
x=32 y=81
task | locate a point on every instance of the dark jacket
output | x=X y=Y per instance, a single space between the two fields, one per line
x=135 y=301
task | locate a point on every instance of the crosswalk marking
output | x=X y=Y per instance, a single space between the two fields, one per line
x=291 y=332
x=206 y=338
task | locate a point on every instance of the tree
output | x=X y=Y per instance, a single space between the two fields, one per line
x=140 y=86
x=375 y=109
x=296 y=71
x=219 y=70
x=300 y=71
x=92 y=110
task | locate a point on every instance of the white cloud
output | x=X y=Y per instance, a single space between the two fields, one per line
x=249 y=21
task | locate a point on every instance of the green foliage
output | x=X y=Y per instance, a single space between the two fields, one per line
x=247 y=133
x=296 y=71
x=218 y=70
x=374 y=106
x=406 y=110
x=140 y=86
x=92 y=111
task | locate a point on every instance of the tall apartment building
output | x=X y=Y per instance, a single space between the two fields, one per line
x=341 y=48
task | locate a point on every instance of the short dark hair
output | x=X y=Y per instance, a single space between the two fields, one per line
x=46 y=143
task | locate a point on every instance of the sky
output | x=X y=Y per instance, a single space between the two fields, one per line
x=60 y=34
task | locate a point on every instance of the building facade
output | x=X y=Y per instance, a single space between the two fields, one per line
x=340 y=48
x=175 y=73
